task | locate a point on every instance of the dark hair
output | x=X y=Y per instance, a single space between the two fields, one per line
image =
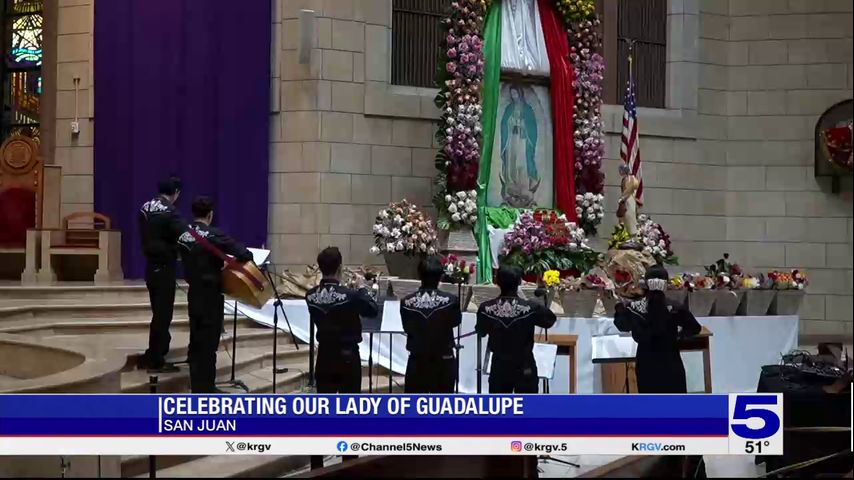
x=202 y=206
x=169 y=185
x=430 y=271
x=508 y=279
x=656 y=300
x=329 y=260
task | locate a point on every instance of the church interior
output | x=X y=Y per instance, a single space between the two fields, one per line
x=581 y=142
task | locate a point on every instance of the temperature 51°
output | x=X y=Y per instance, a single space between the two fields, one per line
x=755 y=446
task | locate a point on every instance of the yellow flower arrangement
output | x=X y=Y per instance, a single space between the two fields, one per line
x=676 y=283
x=551 y=278
x=576 y=10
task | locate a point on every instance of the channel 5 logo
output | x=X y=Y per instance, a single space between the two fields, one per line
x=516 y=446
x=755 y=417
x=755 y=424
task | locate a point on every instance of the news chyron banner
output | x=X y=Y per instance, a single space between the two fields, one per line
x=391 y=424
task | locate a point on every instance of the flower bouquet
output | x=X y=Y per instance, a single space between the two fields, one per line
x=404 y=235
x=597 y=279
x=701 y=294
x=590 y=208
x=548 y=283
x=727 y=277
x=458 y=210
x=455 y=280
x=758 y=295
x=677 y=290
x=579 y=296
x=542 y=241
x=790 y=291
x=456 y=269
x=655 y=241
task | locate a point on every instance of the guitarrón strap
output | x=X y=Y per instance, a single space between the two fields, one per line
x=230 y=263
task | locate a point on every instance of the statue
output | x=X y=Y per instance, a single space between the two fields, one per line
x=627 y=211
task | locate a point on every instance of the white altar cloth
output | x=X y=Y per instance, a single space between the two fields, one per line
x=740 y=346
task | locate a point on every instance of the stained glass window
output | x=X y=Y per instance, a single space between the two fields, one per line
x=22 y=23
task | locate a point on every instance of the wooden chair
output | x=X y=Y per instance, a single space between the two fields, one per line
x=86 y=234
x=20 y=194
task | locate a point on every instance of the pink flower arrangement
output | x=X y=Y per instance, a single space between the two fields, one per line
x=588 y=136
x=459 y=97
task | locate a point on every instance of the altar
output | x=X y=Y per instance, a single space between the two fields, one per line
x=738 y=349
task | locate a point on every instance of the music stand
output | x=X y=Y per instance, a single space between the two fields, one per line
x=259 y=257
x=234 y=382
x=615 y=349
x=392 y=324
x=459 y=346
x=277 y=306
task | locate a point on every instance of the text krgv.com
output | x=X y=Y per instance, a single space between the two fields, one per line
x=368 y=447
x=657 y=447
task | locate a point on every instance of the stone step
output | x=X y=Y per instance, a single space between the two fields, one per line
x=12 y=316
x=248 y=360
x=233 y=466
x=108 y=326
x=72 y=292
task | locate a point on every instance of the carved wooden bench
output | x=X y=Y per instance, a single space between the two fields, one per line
x=85 y=234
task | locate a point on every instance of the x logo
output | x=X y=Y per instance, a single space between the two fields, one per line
x=229 y=446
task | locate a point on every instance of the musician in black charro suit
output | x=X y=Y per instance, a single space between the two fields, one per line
x=203 y=271
x=510 y=321
x=335 y=310
x=159 y=226
x=429 y=317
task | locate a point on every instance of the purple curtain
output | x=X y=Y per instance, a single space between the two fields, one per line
x=182 y=87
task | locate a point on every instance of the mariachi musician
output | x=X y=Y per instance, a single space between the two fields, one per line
x=429 y=316
x=510 y=323
x=160 y=226
x=204 y=268
x=336 y=310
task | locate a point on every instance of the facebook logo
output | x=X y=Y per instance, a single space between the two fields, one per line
x=342 y=446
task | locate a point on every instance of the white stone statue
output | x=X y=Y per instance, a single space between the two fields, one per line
x=627 y=210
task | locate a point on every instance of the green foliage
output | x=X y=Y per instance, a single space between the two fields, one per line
x=540 y=261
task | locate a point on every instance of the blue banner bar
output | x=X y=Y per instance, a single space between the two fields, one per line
x=353 y=415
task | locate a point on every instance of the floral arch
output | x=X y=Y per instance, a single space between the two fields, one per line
x=469 y=78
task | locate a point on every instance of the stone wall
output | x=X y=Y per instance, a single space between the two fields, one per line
x=345 y=142
x=770 y=69
x=75 y=25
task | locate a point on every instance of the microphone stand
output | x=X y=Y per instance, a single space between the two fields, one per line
x=458 y=345
x=277 y=305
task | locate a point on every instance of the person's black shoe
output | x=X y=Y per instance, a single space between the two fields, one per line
x=165 y=368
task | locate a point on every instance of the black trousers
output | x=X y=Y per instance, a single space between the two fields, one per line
x=339 y=369
x=206 y=317
x=513 y=376
x=430 y=373
x=160 y=281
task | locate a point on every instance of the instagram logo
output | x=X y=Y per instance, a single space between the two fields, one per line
x=516 y=446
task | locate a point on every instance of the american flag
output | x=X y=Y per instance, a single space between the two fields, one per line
x=630 y=148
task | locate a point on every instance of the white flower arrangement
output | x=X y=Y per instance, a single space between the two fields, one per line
x=462 y=207
x=590 y=208
x=402 y=228
x=654 y=240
